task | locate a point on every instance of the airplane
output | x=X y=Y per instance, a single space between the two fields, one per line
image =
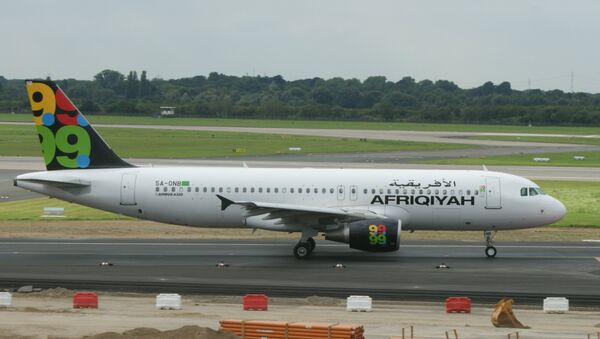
x=364 y=208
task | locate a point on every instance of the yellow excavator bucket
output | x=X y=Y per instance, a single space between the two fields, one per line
x=503 y=315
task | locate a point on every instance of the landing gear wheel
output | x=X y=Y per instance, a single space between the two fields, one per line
x=312 y=244
x=490 y=251
x=302 y=250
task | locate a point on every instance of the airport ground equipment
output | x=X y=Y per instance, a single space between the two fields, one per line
x=5 y=299
x=556 y=305
x=359 y=303
x=458 y=305
x=503 y=315
x=85 y=300
x=168 y=301
x=256 y=302
x=255 y=329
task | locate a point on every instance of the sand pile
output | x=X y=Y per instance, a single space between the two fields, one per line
x=186 y=332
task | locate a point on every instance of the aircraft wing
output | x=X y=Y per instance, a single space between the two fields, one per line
x=290 y=213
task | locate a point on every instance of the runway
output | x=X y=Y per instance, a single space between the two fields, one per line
x=526 y=271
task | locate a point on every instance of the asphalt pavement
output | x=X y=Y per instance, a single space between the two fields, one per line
x=526 y=271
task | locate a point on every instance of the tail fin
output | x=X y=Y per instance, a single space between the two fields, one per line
x=68 y=140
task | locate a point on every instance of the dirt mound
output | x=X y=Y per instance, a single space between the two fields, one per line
x=186 y=332
x=323 y=301
x=57 y=292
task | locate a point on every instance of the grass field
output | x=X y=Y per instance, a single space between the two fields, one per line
x=403 y=126
x=571 y=140
x=592 y=159
x=581 y=199
x=155 y=143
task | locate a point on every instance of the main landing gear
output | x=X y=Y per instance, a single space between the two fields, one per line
x=490 y=250
x=306 y=245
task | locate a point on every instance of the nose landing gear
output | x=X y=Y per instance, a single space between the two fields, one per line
x=490 y=250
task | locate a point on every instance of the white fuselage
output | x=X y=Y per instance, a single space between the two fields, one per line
x=422 y=199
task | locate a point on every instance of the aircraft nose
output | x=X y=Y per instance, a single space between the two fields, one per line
x=558 y=209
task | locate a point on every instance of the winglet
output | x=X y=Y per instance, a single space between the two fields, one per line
x=225 y=202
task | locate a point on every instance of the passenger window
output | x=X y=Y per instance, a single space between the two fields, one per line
x=189 y=189
x=524 y=191
x=323 y=191
x=307 y=190
x=316 y=190
x=228 y=189
x=420 y=191
x=444 y=192
x=412 y=191
x=276 y=190
x=331 y=190
x=244 y=190
x=173 y=189
x=389 y=191
x=268 y=189
x=475 y=192
x=460 y=192
x=157 y=189
x=380 y=191
x=220 y=189
x=292 y=190
x=205 y=189
x=405 y=192
x=237 y=190
x=340 y=190
x=532 y=191
x=299 y=190
x=212 y=189
x=251 y=189
x=365 y=191
x=283 y=190
x=428 y=192
x=372 y=190
x=260 y=190
x=451 y=192
x=197 y=189
x=437 y=192
x=353 y=191
x=468 y=192
x=397 y=191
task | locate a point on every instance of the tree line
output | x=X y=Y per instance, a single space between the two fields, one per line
x=374 y=99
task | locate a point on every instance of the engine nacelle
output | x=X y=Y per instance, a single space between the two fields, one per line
x=369 y=235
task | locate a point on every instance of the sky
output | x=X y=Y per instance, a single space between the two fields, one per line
x=530 y=43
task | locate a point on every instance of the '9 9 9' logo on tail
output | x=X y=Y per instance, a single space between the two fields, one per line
x=62 y=130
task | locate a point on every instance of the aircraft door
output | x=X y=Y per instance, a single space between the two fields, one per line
x=340 y=193
x=128 y=189
x=353 y=193
x=492 y=193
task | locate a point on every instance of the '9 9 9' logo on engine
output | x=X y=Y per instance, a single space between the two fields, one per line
x=60 y=127
x=377 y=234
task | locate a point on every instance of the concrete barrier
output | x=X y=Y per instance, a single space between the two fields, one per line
x=168 y=301
x=359 y=303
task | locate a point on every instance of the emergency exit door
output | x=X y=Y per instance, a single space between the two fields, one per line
x=128 y=189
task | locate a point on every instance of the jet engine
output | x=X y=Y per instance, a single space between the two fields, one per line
x=381 y=235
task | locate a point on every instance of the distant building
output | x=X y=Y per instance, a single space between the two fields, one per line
x=167 y=110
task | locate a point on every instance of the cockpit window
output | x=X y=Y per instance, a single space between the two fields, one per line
x=524 y=191
x=531 y=191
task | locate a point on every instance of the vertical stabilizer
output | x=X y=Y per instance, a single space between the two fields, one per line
x=68 y=140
